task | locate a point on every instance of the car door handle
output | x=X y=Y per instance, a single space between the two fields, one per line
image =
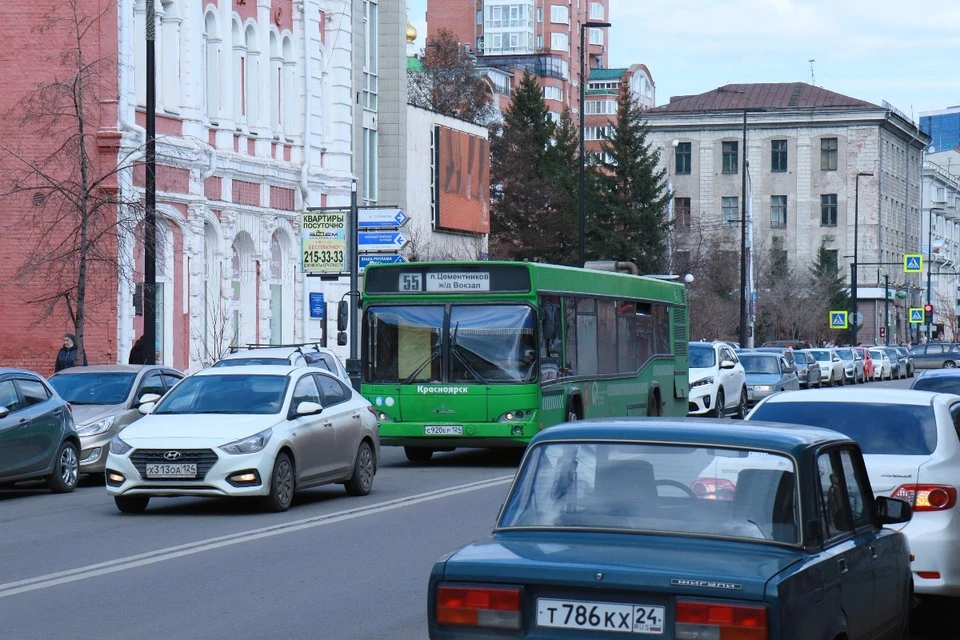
x=355 y=415
x=328 y=424
x=58 y=413
x=842 y=565
x=23 y=422
x=873 y=552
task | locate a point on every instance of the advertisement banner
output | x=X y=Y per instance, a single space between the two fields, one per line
x=462 y=181
x=324 y=241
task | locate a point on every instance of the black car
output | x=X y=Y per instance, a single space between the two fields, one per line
x=37 y=434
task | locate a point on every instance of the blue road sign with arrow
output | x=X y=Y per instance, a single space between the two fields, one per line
x=380 y=240
x=365 y=260
x=369 y=218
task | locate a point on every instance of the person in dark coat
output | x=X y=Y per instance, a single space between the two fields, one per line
x=138 y=354
x=67 y=356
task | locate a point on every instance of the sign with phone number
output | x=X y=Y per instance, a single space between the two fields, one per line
x=324 y=241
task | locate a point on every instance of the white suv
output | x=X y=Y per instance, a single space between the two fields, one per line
x=717 y=380
x=295 y=355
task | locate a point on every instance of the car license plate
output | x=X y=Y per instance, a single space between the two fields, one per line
x=749 y=394
x=600 y=616
x=181 y=470
x=443 y=430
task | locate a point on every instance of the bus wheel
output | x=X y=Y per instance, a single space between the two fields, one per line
x=572 y=414
x=418 y=454
x=654 y=409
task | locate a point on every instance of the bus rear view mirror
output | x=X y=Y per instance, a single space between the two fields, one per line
x=548 y=322
x=342 y=310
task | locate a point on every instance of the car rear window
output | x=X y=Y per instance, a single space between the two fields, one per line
x=879 y=428
x=937 y=384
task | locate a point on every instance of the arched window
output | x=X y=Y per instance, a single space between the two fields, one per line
x=276 y=84
x=139 y=52
x=239 y=74
x=290 y=102
x=252 y=77
x=244 y=281
x=211 y=70
x=276 y=289
x=168 y=56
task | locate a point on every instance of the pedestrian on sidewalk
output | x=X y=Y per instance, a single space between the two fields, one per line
x=67 y=356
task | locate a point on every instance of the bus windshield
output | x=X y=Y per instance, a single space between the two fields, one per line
x=486 y=344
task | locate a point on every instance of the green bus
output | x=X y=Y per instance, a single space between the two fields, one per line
x=486 y=354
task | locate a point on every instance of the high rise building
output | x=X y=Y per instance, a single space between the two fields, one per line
x=943 y=127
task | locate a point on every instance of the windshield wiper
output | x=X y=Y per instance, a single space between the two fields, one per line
x=433 y=355
x=455 y=351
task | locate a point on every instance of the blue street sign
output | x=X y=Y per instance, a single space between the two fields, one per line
x=838 y=320
x=369 y=218
x=318 y=309
x=365 y=260
x=916 y=315
x=912 y=263
x=381 y=240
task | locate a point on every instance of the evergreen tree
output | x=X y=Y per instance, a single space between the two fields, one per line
x=631 y=222
x=829 y=292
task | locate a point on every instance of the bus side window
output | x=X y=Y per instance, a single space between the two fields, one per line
x=570 y=336
x=551 y=343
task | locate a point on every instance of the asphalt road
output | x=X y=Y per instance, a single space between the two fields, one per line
x=333 y=567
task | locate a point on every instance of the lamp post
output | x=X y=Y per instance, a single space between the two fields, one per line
x=930 y=268
x=581 y=225
x=853 y=267
x=150 y=195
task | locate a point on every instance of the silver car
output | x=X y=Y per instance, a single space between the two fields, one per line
x=294 y=355
x=852 y=365
x=106 y=399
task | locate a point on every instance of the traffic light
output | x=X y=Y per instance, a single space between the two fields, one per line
x=928 y=314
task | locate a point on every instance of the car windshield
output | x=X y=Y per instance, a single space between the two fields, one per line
x=225 y=393
x=702 y=356
x=252 y=360
x=760 y=364
x=938 y=384
x=879 y=428
x=892 y=354
x=876 y=355
x=94 y=388
x=845 y=354
x=820 y=355
x=486 y=344
x=655 y=488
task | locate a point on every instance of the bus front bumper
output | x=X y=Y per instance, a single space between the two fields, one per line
x=446 y=436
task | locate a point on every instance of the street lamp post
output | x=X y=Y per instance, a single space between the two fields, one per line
x=930 y=268
x=853 y=268
x=582 y=216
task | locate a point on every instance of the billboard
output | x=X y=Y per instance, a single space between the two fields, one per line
x=323 y=241
x=461 y=181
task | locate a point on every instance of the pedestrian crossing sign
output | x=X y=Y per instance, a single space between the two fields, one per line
x=838 y=320
x=912 y=263
x=916 y=315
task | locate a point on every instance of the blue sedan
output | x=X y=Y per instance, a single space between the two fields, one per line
x=683 y=530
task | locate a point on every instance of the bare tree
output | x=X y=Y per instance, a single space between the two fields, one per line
x=75 y=215
x=213 y=338
x=945 y=309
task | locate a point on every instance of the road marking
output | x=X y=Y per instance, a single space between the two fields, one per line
x=190 y=548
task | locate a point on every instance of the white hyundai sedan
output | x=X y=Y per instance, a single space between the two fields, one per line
x=264 y=431
x=912 y=452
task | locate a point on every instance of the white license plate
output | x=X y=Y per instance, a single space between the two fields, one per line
x=181 y=470
x=600 y=616
x=443 y=430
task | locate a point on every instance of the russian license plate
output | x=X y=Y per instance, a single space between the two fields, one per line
x=180 y=470
x=600 y=616
x=443 y=430
x=749 y=394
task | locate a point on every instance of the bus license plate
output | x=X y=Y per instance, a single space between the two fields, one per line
x=443 y=430
x=600 y=616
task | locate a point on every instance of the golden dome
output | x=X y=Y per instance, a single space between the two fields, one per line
x=411 y=32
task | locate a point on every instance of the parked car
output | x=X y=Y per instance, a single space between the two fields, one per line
x=808 y=370
x=265 y=431
x=602 y=533
x=852 y=365
x=37 y=435
x=787 y=353
x=938 y=380
x=912 y=451
x=935 y=355
x=899 y=366
x=106 y=399
x=831 y=367
x=717 y=382
x=297 y=355
x=766 y=374
x=906 y=357
x=882 y=366
x=867 y=361
x=783 y=344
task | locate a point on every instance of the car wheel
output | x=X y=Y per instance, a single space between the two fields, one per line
x=66 y=469
x=361 y=481
x=721 y=404
x=282 y=484
x=132 y=504
x=418 y=454
x=742 y=406
x=842 y=379
x=949 y=364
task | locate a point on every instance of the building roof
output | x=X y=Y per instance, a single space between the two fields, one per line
x=597 y=74
x=780 y=95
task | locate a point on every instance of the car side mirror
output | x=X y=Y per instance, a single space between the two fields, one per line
x=4 y=412
x=892 y=511
x=308 y=408
x=727 y=364
x=148 y=398
x=146 y=407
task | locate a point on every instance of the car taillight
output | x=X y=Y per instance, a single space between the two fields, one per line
x=491 y=607
x=696 y=620
x=70 y=407
x=927 y=497
x=713 y=488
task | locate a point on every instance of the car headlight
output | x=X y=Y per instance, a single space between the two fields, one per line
x=763 y=387
x=118 y=446
x=96 y=428
x=251 y=444
x=702 y=382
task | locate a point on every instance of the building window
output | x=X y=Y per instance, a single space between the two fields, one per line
x=729 y=209
x=370 y=165
x=539 y=14
x=778 y=156
x=730 y=160
x=539 y=43
x=211 y=68
x=828 y=210
x=828 y=154
x=681 y=213
x=778 y=212
x=596 y=11
x=683 y=157
x=600 y=107
x=596 y=36
x=559 y=42
x=597 y=133
x=480 y=16
x=554 y=116
x=559 y=14
x=831 y=259
x=371 y=54
x=553 y=93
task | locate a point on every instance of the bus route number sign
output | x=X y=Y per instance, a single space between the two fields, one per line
x=411 y=282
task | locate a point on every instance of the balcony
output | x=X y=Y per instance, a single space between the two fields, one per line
x=542 y=65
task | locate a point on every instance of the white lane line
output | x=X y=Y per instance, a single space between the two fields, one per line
x=209 y=544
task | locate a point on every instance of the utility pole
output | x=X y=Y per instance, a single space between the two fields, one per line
x=150 y=197
x=886 y=310
x=353 y=231
x=743 y=239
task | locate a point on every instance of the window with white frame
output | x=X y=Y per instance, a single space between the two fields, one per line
x=510 y=16
x=600 y=107
x=559 y=42
x=554 y=116
x=251 y=77
x=559 y=14
x=371 y=14
x=370 y=165
x=597 y=11
x=598 y=133
x=596 y=36
x=211 y=65
x=291 y=93
x=729 y=210
x=553 y=93
x=276 y=83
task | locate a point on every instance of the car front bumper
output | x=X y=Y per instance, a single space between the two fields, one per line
x=755 y=395
x=701 y=400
